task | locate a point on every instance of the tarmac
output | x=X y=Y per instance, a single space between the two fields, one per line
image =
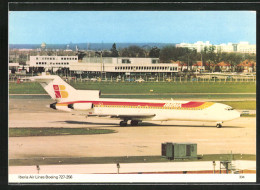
x=237 y=136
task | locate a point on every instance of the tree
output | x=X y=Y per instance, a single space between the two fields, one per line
x=251 y=57
x=211 y=57
x=106 y=54
x=124 y=52
x=80 y=55
x=49 y=52
x=191 y=57
x=169 y=53
x=132 y=51
x=13 y=70
x=114 y=52
x=234 y=59
x=154 y=52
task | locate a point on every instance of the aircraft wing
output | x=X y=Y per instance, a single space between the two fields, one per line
x=125 y=116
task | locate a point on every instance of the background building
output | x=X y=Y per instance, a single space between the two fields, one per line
x=48 y=62
x=245 y=47
x=102 y=66
x=123 y=65
x=199 y=45
x=241 y=47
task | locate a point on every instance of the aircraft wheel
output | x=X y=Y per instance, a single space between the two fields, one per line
x=134 y=122
x=219 y=125
x=123 y=123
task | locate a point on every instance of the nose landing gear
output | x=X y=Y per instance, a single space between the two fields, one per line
x=124 y=123
x=219 y=124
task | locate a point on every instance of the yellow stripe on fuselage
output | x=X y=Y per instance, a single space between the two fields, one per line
x=205 y=105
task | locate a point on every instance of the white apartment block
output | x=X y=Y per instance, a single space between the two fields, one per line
x=226 y=48
x=241 y=47
x=245 y=47
x=199 y=45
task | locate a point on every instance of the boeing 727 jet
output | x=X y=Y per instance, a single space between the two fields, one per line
x=135 y=110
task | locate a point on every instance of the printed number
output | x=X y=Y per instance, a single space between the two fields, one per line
x=65 y=176
x=241 y=176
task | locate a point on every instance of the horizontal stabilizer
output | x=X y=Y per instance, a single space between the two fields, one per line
x=44 y=77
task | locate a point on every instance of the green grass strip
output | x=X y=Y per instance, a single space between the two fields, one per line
x=248 y=115
x=125 y=159
x=47 y=131
x=139 y=88
x=168 y=87
x=189 y=96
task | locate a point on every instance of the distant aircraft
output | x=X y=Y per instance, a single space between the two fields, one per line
x=88 y=101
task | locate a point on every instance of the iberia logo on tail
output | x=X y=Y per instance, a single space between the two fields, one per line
x=60 y=91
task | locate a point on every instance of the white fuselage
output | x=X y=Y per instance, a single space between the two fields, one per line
x=163 y=110
x=88 y=101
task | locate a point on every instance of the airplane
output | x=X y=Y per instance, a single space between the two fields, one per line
x=136 y=110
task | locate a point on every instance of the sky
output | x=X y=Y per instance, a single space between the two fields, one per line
x=61 y=27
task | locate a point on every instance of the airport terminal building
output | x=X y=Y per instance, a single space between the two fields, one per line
x=111 y=66
x=123 y=65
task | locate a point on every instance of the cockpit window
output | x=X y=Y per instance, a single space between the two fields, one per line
x=229 y=108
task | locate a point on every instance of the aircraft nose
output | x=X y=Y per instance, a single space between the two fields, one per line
x=237 y=114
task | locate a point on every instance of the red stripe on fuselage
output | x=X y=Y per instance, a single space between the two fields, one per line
x=118 y=103
x=192 y=104
x=186 y=105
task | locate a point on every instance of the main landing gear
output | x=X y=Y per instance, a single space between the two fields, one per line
x=134 y=123
x=124 y=123
x=219 y=124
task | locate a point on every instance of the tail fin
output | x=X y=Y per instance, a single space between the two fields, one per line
x=58 y=89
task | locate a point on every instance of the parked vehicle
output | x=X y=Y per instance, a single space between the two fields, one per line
x=85 y=79
x=129 y=80
x=93 y=79
x=140 y=80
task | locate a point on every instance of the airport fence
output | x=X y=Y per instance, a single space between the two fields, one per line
x=174 y=79
x=179 y=79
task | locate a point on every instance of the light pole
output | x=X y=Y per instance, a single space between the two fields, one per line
x=214 y=165
x=101 y=64
x=188 y=63
x=38 y=168
x=118 y=166
x=201 y=59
